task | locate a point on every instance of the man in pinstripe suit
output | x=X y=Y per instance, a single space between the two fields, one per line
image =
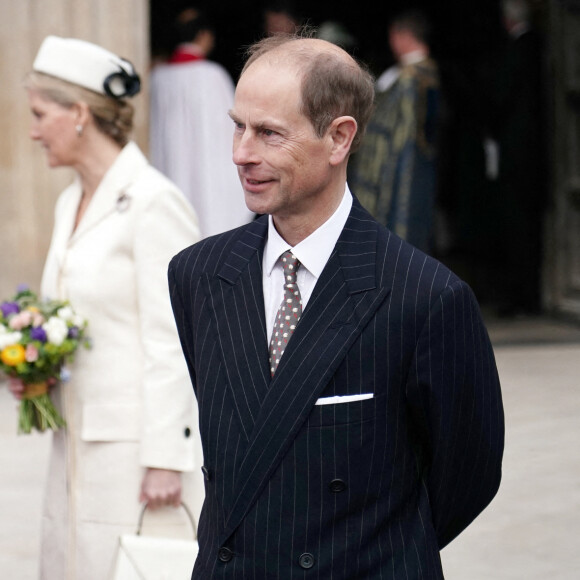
x=379 y=436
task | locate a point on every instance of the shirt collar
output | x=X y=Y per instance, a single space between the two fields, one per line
x=413 y=57
x=519 y=29
x=314 y=251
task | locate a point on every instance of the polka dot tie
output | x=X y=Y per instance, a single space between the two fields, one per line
x=289 y=312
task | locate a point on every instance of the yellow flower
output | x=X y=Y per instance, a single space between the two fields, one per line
x=33 y=309
x=13 y=355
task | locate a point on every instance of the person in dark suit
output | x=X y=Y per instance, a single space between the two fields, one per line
x=349 y=402
x=519 y=127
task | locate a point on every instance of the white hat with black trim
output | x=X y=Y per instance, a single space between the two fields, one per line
x=87 y=65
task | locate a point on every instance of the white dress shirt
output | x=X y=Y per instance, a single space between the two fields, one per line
x=313 y=252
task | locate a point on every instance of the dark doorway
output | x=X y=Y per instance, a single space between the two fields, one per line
x=466 y=38
x=462 y=31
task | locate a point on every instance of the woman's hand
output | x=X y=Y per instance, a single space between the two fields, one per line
x=161 y=487
x=16 y=387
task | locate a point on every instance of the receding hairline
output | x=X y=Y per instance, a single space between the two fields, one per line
x=294 y=51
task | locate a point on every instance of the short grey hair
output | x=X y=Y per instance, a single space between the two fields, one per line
x=331 y=86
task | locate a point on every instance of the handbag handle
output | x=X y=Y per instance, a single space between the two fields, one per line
x=187 y=511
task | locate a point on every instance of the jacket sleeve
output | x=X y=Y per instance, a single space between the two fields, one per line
x=182 y=317
x=454 y=394
x=166 y=225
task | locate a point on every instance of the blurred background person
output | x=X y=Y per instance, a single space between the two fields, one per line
x=337 y=33
x=190 y=131
x=129 y=410
x=394 y=172
x=280 y=17
x=518 y=129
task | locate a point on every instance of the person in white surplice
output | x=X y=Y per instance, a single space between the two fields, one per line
x=191 y=133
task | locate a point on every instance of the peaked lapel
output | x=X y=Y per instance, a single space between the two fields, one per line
x=343 y=301
x=237 y=300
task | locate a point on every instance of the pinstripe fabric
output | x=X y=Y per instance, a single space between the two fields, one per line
x=370 y=489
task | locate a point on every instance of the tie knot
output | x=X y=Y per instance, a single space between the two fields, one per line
x=290 y=263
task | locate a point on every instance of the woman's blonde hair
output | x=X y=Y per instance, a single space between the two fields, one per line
x=113 y=117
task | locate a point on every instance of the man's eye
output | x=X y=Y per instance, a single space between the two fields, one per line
x=269 y=132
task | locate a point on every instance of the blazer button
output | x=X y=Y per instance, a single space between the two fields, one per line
x=306 y=561
x=187 y=432
x=206 y=473
x=336 y=486
x=225 y=555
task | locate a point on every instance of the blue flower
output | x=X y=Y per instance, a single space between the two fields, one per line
x=38 y=333
x=65 y=375
x=73 y=332
x=9 y=308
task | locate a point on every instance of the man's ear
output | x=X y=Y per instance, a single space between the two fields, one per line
x=342 y=131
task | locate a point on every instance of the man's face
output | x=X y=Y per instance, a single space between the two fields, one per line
x=398 y=41
x=283 y=165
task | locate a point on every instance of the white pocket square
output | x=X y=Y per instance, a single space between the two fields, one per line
x=343 y=399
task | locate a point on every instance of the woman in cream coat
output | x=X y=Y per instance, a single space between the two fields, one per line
x=128 y=405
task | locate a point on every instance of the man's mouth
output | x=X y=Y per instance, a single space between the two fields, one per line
x=253 y=185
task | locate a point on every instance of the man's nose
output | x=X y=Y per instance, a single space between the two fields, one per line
x=244 y=149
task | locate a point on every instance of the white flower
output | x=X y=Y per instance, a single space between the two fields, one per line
x=78 y=321
x=66 y=313
x=9 y=338
x=56 y=330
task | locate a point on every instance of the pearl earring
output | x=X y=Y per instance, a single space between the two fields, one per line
x=79 y=129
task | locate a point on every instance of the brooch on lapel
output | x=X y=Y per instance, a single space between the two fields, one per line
x=123 y=202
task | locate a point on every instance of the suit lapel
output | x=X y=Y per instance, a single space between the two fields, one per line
x=237 y=300
x=344 y=300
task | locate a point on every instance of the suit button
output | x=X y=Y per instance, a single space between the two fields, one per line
x=336 y=486
x=187 y=432
x=306 y=561
x=206 y=473
x=225 y=554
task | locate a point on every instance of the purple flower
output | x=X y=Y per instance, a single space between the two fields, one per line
x=22 y=288
x=73 y=332
x=9 y=308
x=38 y=333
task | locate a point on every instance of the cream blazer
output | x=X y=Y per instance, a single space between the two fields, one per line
x=133 y=384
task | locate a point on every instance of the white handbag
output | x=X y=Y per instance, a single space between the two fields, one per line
x=155 y=558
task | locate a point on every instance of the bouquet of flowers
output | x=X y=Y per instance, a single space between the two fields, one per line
x=37 y=338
